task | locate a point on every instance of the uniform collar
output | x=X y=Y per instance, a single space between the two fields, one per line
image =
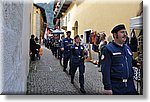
x=117 y=44
x=76 y=44
x=68 y=38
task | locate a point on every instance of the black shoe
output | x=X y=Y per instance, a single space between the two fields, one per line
x=72 y=82
x=69 y=73
x=82 y=90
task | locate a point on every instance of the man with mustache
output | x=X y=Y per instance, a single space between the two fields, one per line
x=116 y=63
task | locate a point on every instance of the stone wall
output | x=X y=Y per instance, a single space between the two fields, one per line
x=1 y=47
x=15 y=35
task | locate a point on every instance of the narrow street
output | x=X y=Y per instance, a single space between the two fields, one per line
x=46 y=77
x=26 y=25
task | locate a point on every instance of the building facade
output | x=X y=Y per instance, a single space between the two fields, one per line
x=81 y=16
x=39 y=21
x=14 y=55
x=90 y=17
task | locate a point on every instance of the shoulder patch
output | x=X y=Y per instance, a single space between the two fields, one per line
x=102 y=57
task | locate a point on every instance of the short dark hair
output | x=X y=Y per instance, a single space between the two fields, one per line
x=32 y=36
x=36 y=39
x=68 y=32
x=62 y=36
x=77 y=36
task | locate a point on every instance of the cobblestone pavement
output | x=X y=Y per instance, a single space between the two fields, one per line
x=46 y=77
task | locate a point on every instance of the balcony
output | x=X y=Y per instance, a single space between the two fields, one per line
x=60 y=7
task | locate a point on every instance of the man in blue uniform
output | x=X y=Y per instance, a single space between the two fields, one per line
x=56 y=45
x=60 y=51
x=78 y=55
x=52 y=40
x=66 y=45
x=116 y=63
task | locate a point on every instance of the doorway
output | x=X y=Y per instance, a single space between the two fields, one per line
x=87 y=34
x=76 y=28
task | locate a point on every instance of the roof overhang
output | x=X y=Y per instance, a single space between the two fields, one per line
x=42 y=11
x=61 y=7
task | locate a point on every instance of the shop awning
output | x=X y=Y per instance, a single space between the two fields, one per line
x=57 y=31
x=136 y=22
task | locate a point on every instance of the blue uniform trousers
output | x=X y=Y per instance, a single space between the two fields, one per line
x=65 y=61
x=56 y=51
x=81 y=72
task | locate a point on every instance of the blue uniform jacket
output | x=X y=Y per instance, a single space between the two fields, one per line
x=116 y=63
x=77 y=54
x=67 y=43
x=60 y=43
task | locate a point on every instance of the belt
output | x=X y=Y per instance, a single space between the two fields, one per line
x=81 y=57
x=120 y=80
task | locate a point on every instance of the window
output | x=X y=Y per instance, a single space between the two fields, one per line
x=68 y=17
x=66 y=20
